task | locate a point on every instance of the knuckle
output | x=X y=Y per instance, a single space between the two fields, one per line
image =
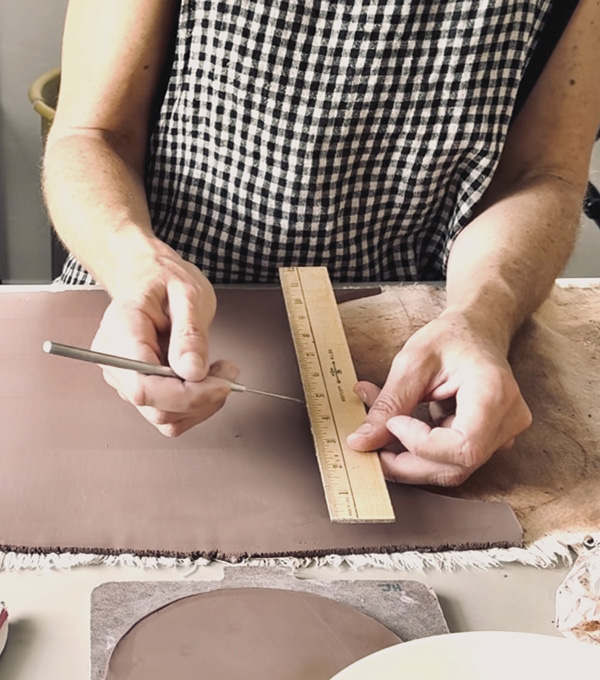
x=405 y=361
x=507 y=389
x=216 y=405
x=189 y=290
x=191 y=329
x=526 y=418
x=222 y=368
x=192 y=293
x=138 y=395
x=512 y=398
x=211 y=400
x=157 y=417
x=509 y=444
x=194 y=403
x=420 y=449
x=219 y=396
x=393 y=478
x=385 y=405
x=415 y=356
x=170 y=430
x=471 y=455
x=452 y=477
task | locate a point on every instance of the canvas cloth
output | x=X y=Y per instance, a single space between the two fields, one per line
x=357 y=135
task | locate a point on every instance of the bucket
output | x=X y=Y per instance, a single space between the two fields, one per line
x=43 y=94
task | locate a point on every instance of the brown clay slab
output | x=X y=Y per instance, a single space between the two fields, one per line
x=82 y=471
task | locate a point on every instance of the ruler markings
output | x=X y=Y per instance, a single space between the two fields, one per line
x=337 y=499
x=331 y=408
x=355 y=489
x=318 y=420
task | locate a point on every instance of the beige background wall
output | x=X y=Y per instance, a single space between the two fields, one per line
x=30 y=35
x=585 y=260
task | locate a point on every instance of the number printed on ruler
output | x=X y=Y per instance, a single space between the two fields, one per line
x=354 y=486
x=318 y=401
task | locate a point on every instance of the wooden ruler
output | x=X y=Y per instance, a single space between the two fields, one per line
x=355 y=488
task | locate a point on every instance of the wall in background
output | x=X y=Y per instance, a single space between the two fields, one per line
x=30 y=36
x=585 y=260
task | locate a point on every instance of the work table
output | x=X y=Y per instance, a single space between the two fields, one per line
x=50 y=609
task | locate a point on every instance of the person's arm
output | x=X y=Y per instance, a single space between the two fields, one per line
x=501 y=267
x=529 y=218
x=113 y=57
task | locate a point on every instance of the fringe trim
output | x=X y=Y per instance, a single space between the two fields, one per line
x=544 y=553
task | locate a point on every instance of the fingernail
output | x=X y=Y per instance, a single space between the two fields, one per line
x=365 y=428
x=191 y=366
x=392 y=425
x=362 y=395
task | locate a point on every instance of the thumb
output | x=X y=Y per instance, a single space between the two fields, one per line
x=399 y=396
x=188 y=341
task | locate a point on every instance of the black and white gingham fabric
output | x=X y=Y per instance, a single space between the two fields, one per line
x=356 y=134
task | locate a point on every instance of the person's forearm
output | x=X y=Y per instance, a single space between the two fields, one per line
x=503 y=264
x=97 y=204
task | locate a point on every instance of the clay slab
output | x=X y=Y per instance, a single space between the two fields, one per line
x=409 y=609
x=83 y=472
x=262 y=633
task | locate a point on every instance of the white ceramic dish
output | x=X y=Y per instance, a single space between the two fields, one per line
x=480 y=656
x=3 y=630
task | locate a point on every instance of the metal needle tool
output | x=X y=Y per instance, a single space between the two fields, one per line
x=93 y=357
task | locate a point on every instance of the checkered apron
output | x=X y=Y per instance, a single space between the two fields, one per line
x=356 y=134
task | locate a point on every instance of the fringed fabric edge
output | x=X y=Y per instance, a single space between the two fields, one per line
x=547 y=552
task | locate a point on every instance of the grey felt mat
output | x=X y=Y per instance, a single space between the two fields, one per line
x=408 y=608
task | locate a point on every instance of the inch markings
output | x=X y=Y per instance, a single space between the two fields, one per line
x=354 y=486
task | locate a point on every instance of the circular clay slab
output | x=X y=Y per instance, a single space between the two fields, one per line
x=261 y=633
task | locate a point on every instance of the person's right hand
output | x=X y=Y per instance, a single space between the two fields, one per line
x=160 y=313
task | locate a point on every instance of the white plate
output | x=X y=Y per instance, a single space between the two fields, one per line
x=3 y=635
x=480 y=656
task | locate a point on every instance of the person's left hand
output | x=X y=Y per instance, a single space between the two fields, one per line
x=474 y=401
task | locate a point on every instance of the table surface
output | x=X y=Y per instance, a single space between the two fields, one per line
x=50 y=610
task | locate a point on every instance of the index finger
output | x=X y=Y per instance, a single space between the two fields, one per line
x=400 y=395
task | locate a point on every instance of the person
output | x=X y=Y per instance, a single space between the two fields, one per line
x=197 y=143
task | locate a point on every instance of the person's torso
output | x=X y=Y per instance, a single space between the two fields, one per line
x=358 y=134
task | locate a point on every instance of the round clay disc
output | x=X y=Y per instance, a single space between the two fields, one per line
x=261 y=633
